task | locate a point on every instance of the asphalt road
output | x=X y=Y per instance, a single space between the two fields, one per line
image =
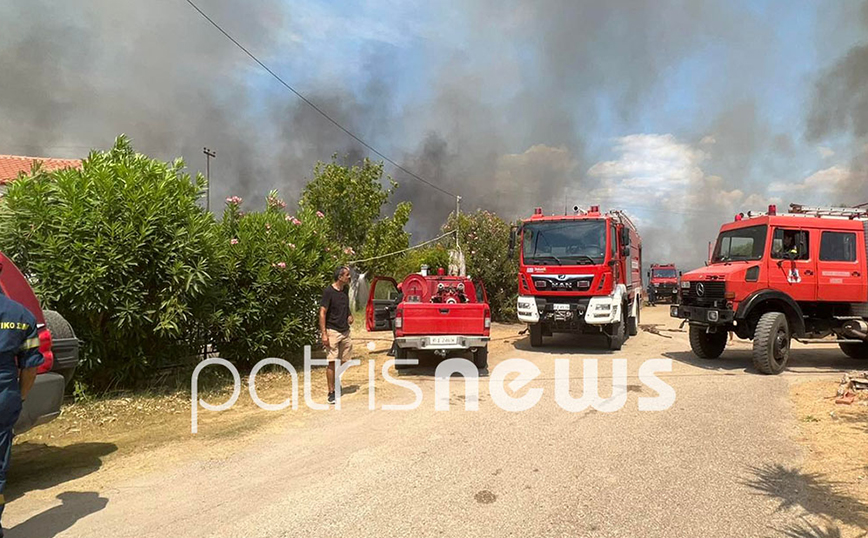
x=721 y=461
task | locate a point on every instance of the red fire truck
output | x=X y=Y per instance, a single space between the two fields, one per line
x=774 y=277
x=579 y=273
x=662 y=283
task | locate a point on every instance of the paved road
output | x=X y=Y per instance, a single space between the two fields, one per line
x=699 y=468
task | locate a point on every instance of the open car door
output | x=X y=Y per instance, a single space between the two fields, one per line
x=481 y=295
x=380 y=299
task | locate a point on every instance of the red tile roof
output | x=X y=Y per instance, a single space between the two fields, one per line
x=12 y=165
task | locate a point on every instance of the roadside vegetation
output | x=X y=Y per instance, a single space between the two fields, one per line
x=124 y=250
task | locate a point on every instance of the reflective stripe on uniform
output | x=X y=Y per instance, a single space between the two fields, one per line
x=2 y=499
x=30 y=343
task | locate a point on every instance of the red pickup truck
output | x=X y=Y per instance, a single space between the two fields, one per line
x=43 y=402
x=436 y=313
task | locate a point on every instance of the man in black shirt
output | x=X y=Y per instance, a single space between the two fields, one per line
x=334 y=324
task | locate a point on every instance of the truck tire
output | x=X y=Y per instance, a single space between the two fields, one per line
x=65 y=345
x=855 y=351
x=619 y=332
x=480 y=357
x=536 y=337
x=771 y=343
x=401 y=353
x=633 y=323
x=707 y=345
x=57 y=325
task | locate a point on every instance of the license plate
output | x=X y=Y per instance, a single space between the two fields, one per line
x=561 y=306
x=442 y=340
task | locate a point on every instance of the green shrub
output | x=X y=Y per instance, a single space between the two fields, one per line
x=270 y=280
x=122 y=250
x=484 y=239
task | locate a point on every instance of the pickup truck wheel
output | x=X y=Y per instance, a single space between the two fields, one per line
x=771 y=343
x=401 y=354
x=536 y=337
x=855 y=351
x=480 y=357
x=707 y=345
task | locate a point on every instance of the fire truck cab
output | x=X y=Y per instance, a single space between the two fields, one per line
x=579 y=273
x=776 y=277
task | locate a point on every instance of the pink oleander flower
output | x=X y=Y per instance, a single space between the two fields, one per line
x=328 y=249
x=320 y=214
x=281 y=265
x=292 y=245
x=296 y=221
x=233 y=241
x=234 y=200
x=267 y=226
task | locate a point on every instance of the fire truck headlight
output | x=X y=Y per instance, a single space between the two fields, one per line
x=685 y=285
x=603 y=306
x=713 y=315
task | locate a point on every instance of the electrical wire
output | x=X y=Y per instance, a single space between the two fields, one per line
x=422 y=244
x=316 y=108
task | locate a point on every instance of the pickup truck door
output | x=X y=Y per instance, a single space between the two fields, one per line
x=380 y=298
x=481 y=295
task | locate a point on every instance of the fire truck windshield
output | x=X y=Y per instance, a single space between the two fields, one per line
x=579 y=242
x=740 y=244
x=663 y=273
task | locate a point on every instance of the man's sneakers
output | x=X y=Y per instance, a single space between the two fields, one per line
x=331 y=397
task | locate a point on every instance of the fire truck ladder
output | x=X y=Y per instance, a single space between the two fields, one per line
x=858 y=212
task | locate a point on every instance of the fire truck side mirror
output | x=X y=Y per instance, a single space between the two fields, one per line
x=513 y=232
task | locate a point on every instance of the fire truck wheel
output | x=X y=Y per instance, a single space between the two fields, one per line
x=771 y=343
x=855 y=351
x=536 y=337
x=707 y=345
x=480 y=357
x=633 y=323
x=619 y=332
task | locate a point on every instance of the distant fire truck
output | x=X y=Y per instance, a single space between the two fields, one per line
x=662 y=283
x=772 y=278
x=579 y=273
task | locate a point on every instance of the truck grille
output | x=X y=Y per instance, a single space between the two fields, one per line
x=703 y=292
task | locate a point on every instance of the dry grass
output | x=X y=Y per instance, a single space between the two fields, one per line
x=836 y=440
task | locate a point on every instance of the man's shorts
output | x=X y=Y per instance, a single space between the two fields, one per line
x=340 y=346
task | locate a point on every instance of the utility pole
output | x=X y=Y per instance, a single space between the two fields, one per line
x=208 y=154
x=457 y=221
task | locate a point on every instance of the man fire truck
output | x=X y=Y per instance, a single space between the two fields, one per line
x=662 y=283
x=773 y=277
x=579 y=273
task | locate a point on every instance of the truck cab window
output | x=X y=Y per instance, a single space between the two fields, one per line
x=838 y=247
x=790 y=244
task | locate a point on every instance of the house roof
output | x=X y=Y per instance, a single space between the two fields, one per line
x=12 y=165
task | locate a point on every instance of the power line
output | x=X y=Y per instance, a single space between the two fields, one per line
x=422 y=244
x=313 y=106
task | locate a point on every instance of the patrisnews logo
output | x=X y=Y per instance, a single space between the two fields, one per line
x=521 y=372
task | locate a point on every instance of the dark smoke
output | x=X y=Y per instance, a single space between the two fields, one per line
x=511 y=116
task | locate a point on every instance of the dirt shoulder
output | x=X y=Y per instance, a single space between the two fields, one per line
x=835 y=437
x=137 y=432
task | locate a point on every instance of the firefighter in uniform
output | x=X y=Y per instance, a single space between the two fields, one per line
x=20 y=356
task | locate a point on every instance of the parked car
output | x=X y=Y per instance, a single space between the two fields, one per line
x=45 y=398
